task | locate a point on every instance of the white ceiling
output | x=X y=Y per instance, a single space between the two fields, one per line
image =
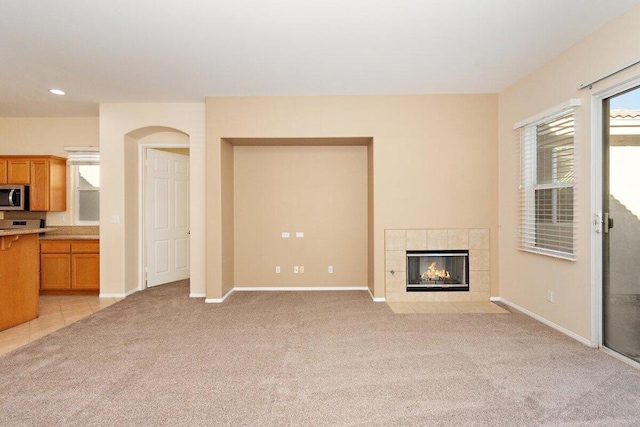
x=184 y=50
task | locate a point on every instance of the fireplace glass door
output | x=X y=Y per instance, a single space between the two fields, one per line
x=437 y=270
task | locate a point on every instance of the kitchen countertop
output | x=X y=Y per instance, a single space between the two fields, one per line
x=17 y=231
x=70 y=237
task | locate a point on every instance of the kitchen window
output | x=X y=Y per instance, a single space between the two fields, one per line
x=547 y=183
x=84 y=164
x=87 y=194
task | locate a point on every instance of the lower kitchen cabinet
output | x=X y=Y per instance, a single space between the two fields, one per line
x=69 y=267
x=18 y=279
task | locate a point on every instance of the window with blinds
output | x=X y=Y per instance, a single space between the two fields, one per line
x=84 y=168
x=547 y=183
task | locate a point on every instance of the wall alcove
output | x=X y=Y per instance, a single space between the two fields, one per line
x=321 y=187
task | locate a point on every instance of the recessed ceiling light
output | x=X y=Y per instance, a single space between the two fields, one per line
x=56 y=91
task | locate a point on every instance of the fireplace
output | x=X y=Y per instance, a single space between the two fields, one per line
x=438 y=271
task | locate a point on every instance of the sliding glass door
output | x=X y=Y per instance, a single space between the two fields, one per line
x=621 y=208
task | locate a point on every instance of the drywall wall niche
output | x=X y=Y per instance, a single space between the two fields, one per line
x=319 y=191
x=318 y=186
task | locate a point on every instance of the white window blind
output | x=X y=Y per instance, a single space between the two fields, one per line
x=547 y=184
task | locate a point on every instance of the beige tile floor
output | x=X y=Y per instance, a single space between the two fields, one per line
x=55 y=312
x=446 y=307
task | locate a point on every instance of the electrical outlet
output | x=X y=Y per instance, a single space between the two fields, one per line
x=550 y=296
x=299 y=234
x=302 y=269
x=285 y=234
x=330 y=269
x=277 y=269
x=296 y=269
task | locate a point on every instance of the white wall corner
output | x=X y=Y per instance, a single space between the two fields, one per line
x=131 y=291
x=218 y=300
x=116 y=295
x=376 y=299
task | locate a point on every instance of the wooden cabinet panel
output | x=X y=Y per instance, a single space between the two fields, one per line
x=3 y=171
x=85 y=271
x=57 y=185
x=18 y=279
x=85 y=247
x=55 y=271
x=18 y=171
x=39 y=189
x=70 y=266
x=62 y=247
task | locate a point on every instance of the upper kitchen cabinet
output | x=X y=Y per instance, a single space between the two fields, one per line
x=48 y=186
x=18 y=171
x=46 y=177
x=3 y=171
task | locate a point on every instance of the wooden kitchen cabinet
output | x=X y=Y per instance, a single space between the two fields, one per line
x=69 y=266
x=55 y=272
x=18 y=171
x=48 y=185
x=46 y=177
x=18 y=279
x=3 y=171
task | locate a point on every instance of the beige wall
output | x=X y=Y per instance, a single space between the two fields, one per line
x=320 y=191
x=228 y=215
x=122 y=126
x=48 y=135
x=525 y=278
x=370 y=222
x=434 y=160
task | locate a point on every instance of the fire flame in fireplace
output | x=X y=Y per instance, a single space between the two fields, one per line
x=433 y=273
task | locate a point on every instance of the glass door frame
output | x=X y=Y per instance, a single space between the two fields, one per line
x=597 y=196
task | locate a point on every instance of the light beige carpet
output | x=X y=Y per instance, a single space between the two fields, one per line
x=308 y=359
x=454 y=307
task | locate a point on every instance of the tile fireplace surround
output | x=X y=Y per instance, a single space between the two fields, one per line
x=398 y=242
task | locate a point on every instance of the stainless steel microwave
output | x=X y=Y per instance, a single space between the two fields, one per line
x=14 y=197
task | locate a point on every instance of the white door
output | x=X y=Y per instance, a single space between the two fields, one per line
x=167 y=217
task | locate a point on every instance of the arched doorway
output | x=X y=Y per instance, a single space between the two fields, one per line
x=160 y=143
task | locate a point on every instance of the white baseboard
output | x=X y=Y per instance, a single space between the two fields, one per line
x=383 y=299
x=547 y=322
x=117 y=295
x=218 y=300
x=494 y=299
x=197 y=295
x=132 y=291
x=281 y=289
x=306 y=288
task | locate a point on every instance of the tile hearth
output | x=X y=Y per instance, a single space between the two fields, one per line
x=399 y=241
